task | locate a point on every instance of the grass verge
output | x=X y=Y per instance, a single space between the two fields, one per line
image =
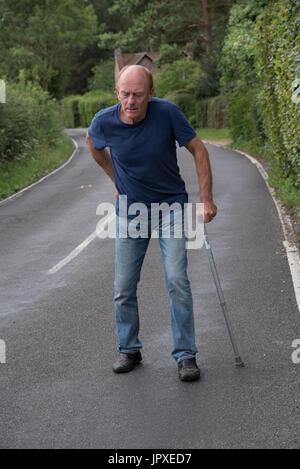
x=19 y=173
x=218 y=135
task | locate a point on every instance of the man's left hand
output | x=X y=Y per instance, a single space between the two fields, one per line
x=209 y=211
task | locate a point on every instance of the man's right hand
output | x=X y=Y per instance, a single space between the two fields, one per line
x=102 y=157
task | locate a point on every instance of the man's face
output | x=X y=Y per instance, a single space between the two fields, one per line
x=134 y=95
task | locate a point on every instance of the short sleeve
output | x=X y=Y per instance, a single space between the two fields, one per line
x=183 y=131
x=96 y=134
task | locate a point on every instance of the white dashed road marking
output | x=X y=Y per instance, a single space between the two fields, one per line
x=82 y=246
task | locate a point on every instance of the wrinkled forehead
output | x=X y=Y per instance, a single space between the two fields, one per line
x=135 y=80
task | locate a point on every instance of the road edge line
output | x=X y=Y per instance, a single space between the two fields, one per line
x=21 y=191
x=292 y=252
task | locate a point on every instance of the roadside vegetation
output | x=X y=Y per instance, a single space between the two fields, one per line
x=21 y=172
x=232 y=66
x=31 y=139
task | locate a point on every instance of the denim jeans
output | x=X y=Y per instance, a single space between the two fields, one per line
x=129 y=256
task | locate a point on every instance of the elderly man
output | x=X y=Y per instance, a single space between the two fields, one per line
x=141 y=133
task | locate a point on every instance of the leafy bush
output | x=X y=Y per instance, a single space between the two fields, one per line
x=185 y=102
x=210 y=112
x=261 y=82
x=29 y=118
x=180 y=76
x=208 y=82
x=238 y=54
x=103 y=78
x=70 y=111
x=239 y=82
x=21 y=172
x=278 y=53
x=244 y=118
x=90 y=103
x=78 y=111
x=286 y=187
x=201 y=113
x=216 y=112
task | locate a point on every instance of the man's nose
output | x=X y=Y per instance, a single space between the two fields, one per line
x=131 y=98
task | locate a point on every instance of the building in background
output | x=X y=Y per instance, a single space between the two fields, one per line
x=140 y=58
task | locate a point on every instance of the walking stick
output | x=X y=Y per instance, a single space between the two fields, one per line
x=238 y=360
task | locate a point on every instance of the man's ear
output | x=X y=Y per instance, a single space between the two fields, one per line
x=151 y=94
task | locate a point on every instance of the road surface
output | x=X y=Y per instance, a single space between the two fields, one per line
x=57 y=386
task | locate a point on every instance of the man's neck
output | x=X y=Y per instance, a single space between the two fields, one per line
x=128 y=120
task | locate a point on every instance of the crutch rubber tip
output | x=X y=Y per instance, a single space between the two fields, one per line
x=239 y=362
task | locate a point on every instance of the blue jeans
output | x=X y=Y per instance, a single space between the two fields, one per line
x=129 y=256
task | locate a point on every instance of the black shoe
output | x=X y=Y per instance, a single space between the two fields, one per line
x=127 y=362
x=188 y=370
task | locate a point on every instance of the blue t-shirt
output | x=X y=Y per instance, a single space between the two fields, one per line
x=144 y=154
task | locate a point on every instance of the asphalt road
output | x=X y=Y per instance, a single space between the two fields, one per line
x=57 y=387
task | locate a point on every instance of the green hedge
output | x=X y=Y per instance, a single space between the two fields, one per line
x=277 y=64
x=186 y=102
x=201 y=113
x=239 y=83
x=176 y=77
x=243 y=116
x=70 y=111
x=78 y=111
x=210 y=112
x=28 y=119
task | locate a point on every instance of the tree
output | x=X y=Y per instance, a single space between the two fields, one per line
x=238 y=55
x=277 y=66
x=239 y=81
x=45 y=38
x=213 y=14
x=103 y=76
x=191 y=24
x=179 y=76
x=208 y=84
x=168 y=54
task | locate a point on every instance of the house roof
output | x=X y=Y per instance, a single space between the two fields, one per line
x=135 y=59
x=121 y=60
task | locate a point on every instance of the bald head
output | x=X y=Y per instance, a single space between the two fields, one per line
x=135 y=72
x=134 y=89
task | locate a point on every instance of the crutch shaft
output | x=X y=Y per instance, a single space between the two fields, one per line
x=238 y=360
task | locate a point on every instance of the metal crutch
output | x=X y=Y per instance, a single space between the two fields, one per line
x=238 y=360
